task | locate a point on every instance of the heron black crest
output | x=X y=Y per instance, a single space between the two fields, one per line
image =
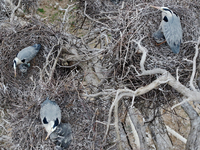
x=56 y=122
x=23 y=60
x=165 y=9
x=45 y=120
x=175 y=14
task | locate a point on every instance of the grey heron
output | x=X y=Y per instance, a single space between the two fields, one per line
x=50 y=115
x=171 y=28
x=159 y=37
x=62 y=136
x=24 y=68
x=26 y=55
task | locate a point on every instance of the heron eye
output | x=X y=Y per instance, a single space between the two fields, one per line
x=45 y=120
x=23 y=60
x=56 y=123
x=165 y=19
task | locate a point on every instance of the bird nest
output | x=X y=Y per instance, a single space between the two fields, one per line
x=21 y=96
x=116 y=34
x=130 y=24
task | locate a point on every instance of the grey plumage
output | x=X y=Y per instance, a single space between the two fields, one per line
x=50 y=115
x=62 y=136
x=23 y=68
x=171 y=28
x=158 y=36
x=26 y=55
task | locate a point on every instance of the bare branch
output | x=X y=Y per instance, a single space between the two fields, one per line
x=54 y=65
x=69 y=8
x=117 y=127
x=144 y=52
x=13 y=12
x=194 y=65
x=178 y=136
x=91 y=18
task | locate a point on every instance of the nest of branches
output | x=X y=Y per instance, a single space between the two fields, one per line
x=54 y=74
x=129 y=26
x=68 y=69
x=127 y=23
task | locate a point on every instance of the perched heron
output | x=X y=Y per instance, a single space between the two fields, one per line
x=25 y=55
x=171 y=28
x=62 y=136
x=50 y=115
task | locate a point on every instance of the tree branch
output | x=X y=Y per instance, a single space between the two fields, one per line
x=194 y=65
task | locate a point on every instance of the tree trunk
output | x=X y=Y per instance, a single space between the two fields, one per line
x=157 y=127
x=193 y=140
x=159 y=133
x=140 y=129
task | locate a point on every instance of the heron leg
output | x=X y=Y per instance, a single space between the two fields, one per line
x=158 y=44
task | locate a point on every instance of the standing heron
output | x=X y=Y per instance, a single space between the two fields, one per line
x=26 y=55
x=50 y=115
x=171 y=28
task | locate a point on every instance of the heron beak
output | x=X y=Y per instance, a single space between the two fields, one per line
x=47 y=136
x=156 y=7
x=14 y=66
x=49 y=133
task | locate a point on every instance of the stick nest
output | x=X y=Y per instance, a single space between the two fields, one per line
x=55 y=75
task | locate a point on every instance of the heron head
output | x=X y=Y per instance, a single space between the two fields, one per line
x=50 y=127
x=16 y=61
x=165 y=10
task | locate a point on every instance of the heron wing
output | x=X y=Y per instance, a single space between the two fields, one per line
x=158 y=36
x=50 y=110
x=28 y=53
x=173 y=32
